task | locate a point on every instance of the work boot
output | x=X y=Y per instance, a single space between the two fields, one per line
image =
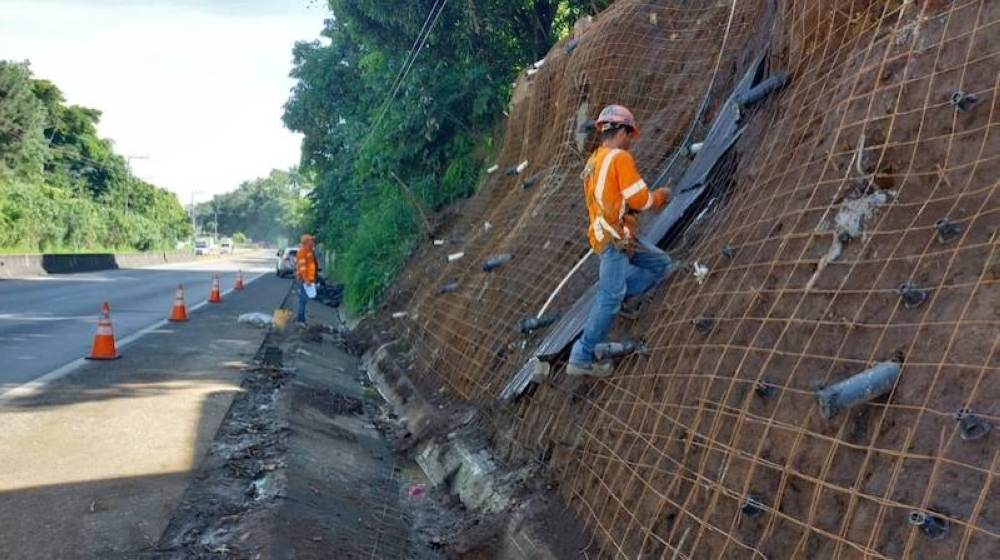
x=630 y=308
x=602 y=368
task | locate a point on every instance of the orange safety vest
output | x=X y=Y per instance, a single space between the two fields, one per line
x=612 y=185
x=305 y=265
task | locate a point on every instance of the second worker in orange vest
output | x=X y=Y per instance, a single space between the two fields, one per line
x=614 y=190
x=305 y=273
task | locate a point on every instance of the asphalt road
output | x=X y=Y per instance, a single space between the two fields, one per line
x=48 y=322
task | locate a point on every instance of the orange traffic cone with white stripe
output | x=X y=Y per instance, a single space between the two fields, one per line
x=239 y=281
x=104 y=339
x=179 y=311
x=214 y=296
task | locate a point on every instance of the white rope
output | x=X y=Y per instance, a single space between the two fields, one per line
x=564 y=280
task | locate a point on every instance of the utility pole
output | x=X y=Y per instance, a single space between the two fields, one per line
x=128 y=177
x=194 y=218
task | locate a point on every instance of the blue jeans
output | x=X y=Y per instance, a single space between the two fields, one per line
x=619 y=278
x=303 y=298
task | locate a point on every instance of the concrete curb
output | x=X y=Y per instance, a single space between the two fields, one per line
x=455 y=460
x=24 y=266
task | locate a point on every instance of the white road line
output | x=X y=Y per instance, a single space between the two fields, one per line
x=32 y=387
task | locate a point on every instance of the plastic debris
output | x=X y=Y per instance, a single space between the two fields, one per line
x=259 y=320
x=700 y=272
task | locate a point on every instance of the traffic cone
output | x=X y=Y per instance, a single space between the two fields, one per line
x=104 y=339
x=214 y=296
x=239 y=281
x=179 y=311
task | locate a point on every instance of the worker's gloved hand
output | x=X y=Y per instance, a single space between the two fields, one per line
x=660 y=197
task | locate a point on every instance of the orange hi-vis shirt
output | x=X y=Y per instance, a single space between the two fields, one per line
x=612 y=185
x=305 y=265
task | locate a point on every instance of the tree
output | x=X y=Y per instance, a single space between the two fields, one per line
x=22 y=116
x=264 y=208
x=62 y=187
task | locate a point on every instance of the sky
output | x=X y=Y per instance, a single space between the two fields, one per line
x=194 y=86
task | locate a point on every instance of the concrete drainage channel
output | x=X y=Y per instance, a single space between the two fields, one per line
x=519 y=517
x=311 y=463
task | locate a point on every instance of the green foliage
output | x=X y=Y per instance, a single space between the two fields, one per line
x=267 y=208
x=44 y=218
x=434 y=133
x=376 y=253
x=22 y=118
x=62 y=188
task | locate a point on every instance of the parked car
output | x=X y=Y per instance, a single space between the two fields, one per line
x=286 y=262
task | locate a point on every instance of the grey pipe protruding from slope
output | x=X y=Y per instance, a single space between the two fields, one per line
x=761 y=90
x=529 y=324
x=858 y=389
x=497 y=261
x=613 y=350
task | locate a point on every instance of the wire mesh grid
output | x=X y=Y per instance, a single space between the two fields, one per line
x=877 y=167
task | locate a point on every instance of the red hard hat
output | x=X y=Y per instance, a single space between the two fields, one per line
x=614 y=116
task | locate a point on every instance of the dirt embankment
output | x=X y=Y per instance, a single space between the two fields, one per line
x=876 y=167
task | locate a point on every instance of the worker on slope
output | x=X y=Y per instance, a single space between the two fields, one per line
x=612 y=186
x=305 y=274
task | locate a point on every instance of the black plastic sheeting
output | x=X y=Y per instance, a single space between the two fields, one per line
x=725 y=130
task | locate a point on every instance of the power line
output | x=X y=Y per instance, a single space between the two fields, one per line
x=406 y=69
